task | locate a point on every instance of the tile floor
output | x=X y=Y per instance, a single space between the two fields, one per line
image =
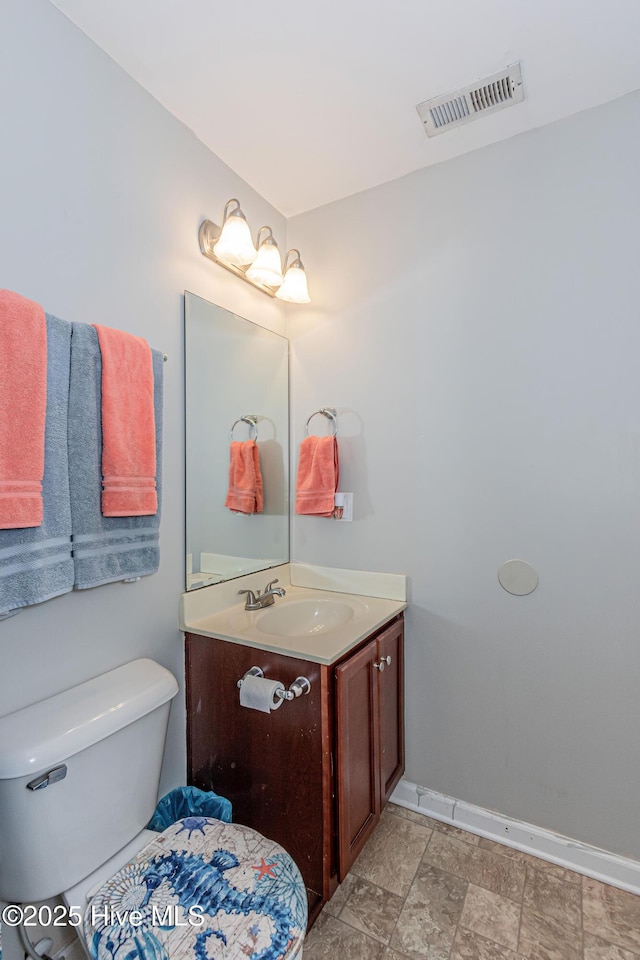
x=423 y=890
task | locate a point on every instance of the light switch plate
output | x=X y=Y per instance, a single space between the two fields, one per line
x=344 y=500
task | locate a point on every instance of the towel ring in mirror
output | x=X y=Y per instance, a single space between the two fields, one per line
x=329 y=413
x=252 y=420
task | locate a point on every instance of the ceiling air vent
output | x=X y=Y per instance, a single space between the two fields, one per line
x=494 y=93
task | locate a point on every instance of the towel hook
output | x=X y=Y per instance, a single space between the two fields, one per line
x=329 y=413
x=252 y=420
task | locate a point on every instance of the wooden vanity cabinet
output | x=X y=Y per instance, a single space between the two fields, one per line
x=314 y=774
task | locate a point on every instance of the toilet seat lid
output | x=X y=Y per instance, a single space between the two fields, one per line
x=202 y=889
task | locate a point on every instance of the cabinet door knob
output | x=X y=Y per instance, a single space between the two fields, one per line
x=383 y=661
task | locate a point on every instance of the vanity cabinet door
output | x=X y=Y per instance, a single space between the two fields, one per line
x=358 y=750
x=390 y=657
x=369 y=738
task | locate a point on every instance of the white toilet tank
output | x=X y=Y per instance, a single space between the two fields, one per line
x=101 y=744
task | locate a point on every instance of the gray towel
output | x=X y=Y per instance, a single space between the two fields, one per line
x=36 y=563
x=104 y=548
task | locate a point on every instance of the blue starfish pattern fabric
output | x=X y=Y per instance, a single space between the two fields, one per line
x=202 y=890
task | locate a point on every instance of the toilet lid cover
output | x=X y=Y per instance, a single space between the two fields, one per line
x=203 y=890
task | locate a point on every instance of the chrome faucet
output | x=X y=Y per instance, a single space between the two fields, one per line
x=264 y=598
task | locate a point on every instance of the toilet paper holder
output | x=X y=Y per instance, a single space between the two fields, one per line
x=299 y=686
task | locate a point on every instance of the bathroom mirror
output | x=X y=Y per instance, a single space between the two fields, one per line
x=233 y=369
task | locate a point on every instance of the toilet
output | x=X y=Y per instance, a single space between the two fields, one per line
x=79 y=777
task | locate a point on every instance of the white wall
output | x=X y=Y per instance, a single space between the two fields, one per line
x=102 y=193
x=476 y=325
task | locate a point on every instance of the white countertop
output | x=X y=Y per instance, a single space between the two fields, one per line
x=325 y=644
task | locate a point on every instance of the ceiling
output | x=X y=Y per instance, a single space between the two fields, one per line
x=310 y=102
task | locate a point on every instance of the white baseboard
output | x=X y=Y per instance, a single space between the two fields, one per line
x=591 y=861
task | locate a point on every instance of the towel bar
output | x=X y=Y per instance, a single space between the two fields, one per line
x=252 y=420
x=329 y=413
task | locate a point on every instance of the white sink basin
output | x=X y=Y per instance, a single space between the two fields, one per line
x=316 y=625
x=302 y=618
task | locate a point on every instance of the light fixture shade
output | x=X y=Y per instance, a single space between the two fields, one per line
x=267 y=267
x=234 y=245
x=294 y=286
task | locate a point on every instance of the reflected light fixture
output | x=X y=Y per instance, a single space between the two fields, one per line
x=232 y=247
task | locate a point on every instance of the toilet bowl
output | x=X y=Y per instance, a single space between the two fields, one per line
x=79 y=774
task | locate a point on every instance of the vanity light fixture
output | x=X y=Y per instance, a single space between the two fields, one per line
x=294 y=286
x=267 y=266
x=232 y=247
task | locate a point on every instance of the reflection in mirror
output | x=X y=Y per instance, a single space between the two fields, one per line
x=234 y=369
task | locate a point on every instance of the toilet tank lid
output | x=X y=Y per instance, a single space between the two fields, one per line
x=46 y=733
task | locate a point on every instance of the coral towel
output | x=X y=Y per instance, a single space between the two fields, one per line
x=23 y=404
x=318 y=475
x=245 y=480
x=128 y=426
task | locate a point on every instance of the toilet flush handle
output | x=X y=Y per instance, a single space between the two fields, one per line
x=51 y=776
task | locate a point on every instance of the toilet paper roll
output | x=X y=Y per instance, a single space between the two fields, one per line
x=258 y=693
